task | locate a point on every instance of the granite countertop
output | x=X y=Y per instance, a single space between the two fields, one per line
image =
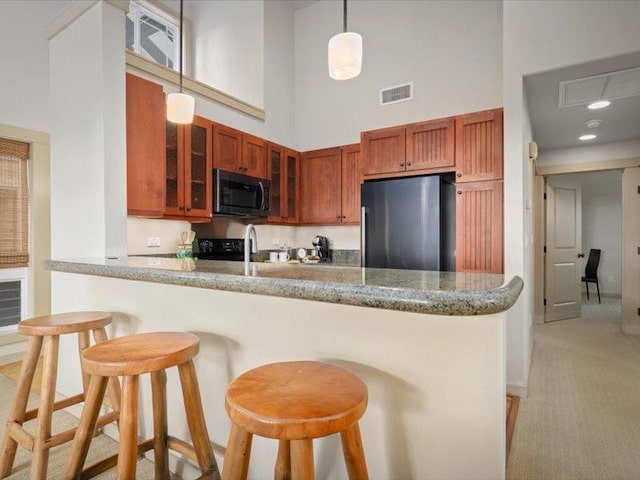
x=442 y=293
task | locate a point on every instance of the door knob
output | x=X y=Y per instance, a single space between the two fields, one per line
x=581 y=255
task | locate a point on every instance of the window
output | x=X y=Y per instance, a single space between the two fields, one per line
x=14 y=204
x=152 y=34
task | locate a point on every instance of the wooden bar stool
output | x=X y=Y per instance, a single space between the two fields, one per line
x=130 y=357
x=51 y=327
x=295 y=402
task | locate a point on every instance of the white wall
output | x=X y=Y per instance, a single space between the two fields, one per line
x=88 y=125
x=540 y=36
x=450 y=50
x=590 y=153
x=24 y=76
x=602 y=225
x=228 y=52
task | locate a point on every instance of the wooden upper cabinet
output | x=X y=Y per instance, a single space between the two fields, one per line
x=479 y=227
x=198 y=150
x=351 y=182
x=238 y=152
x=320 y=186
x=227 y=148
x=254 y=156
x=146 y=141
x=189 y=163
x=174 y=165
x=291 y=196
x=383 y=151
x=431 y=144
x=276 y=167
x=479 y=146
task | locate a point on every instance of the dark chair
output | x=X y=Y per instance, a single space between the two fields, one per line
x=591 y=270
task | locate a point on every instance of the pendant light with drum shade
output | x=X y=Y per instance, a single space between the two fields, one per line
x=345 y=53
x=180 y=106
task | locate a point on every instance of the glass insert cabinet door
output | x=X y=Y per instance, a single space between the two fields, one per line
x=189 y=163
x=275 y=200
x=174 y=203
x=198 y=164
x=293 y=163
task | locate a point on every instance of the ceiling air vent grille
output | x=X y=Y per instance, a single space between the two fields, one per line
x=609 y=86
x=400 y=93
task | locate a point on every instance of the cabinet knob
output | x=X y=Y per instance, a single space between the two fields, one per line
x=343 y=217
x=459 y=192
x=402 y=164
x=240 y=168
x=188 y=209
x=458 y=174
x=339 y=217
x=408 y=163
x=181 y=208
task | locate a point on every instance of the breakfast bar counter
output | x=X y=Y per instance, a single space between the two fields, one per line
x=443 y=293
x=430 y=346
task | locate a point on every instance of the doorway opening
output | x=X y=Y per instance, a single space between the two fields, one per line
x=583 y=242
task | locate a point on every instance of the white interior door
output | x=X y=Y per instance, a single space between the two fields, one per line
x=563 y=265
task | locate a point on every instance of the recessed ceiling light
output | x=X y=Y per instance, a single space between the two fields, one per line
x=599 y=104
x=589 y=136
x=595 y=123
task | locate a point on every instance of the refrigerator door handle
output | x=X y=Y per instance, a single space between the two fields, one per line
x=363 y=238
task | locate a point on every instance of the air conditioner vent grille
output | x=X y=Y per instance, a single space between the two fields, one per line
x=9 y=303
x=399 y=93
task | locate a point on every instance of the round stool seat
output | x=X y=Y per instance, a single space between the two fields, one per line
x=63 y=323
x=141 y=353
x=296 y=400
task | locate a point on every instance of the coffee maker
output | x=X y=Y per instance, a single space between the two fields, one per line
x=321 y=244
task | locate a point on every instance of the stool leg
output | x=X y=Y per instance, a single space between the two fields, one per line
x=160 y=429
x=19 y=405
x=40 y=457
x=115 y=393
x=236 y=458
x=86 y=427
x=128 y=449
x=302 y=459
x=354 y=453
x=83 y=344
x=195 y=418
x=283 y=462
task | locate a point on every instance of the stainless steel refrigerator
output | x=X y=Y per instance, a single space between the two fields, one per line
x=409 y=223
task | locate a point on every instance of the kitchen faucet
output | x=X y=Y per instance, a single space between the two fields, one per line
x=249 y=247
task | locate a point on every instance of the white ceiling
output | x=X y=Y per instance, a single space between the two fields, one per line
x=555 y=127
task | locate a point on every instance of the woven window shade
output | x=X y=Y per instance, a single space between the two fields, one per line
x=14 y=204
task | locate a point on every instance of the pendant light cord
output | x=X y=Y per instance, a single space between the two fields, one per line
x=180 y=43
x=344 y=26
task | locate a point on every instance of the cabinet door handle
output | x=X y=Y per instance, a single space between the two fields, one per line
x=188 y=209
x=338 y=217
x=459 y=192
x=408 y=163
x=240 y=168
x=181 y=208
x=402 y=164
x=458 y=174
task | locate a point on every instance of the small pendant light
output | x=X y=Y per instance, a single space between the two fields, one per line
x=345 y=53
x=180 y=106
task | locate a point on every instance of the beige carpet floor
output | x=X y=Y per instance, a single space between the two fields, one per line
x=581 y=420
x=101 y=446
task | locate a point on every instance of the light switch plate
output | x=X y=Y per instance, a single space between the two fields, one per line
x=153 y=241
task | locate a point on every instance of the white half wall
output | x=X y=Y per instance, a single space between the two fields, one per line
x=451 y=51
x=539 y=36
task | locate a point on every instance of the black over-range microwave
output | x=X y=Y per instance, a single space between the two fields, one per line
x=235 y=194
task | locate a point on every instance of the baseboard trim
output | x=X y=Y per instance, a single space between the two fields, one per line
x=519 y=390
